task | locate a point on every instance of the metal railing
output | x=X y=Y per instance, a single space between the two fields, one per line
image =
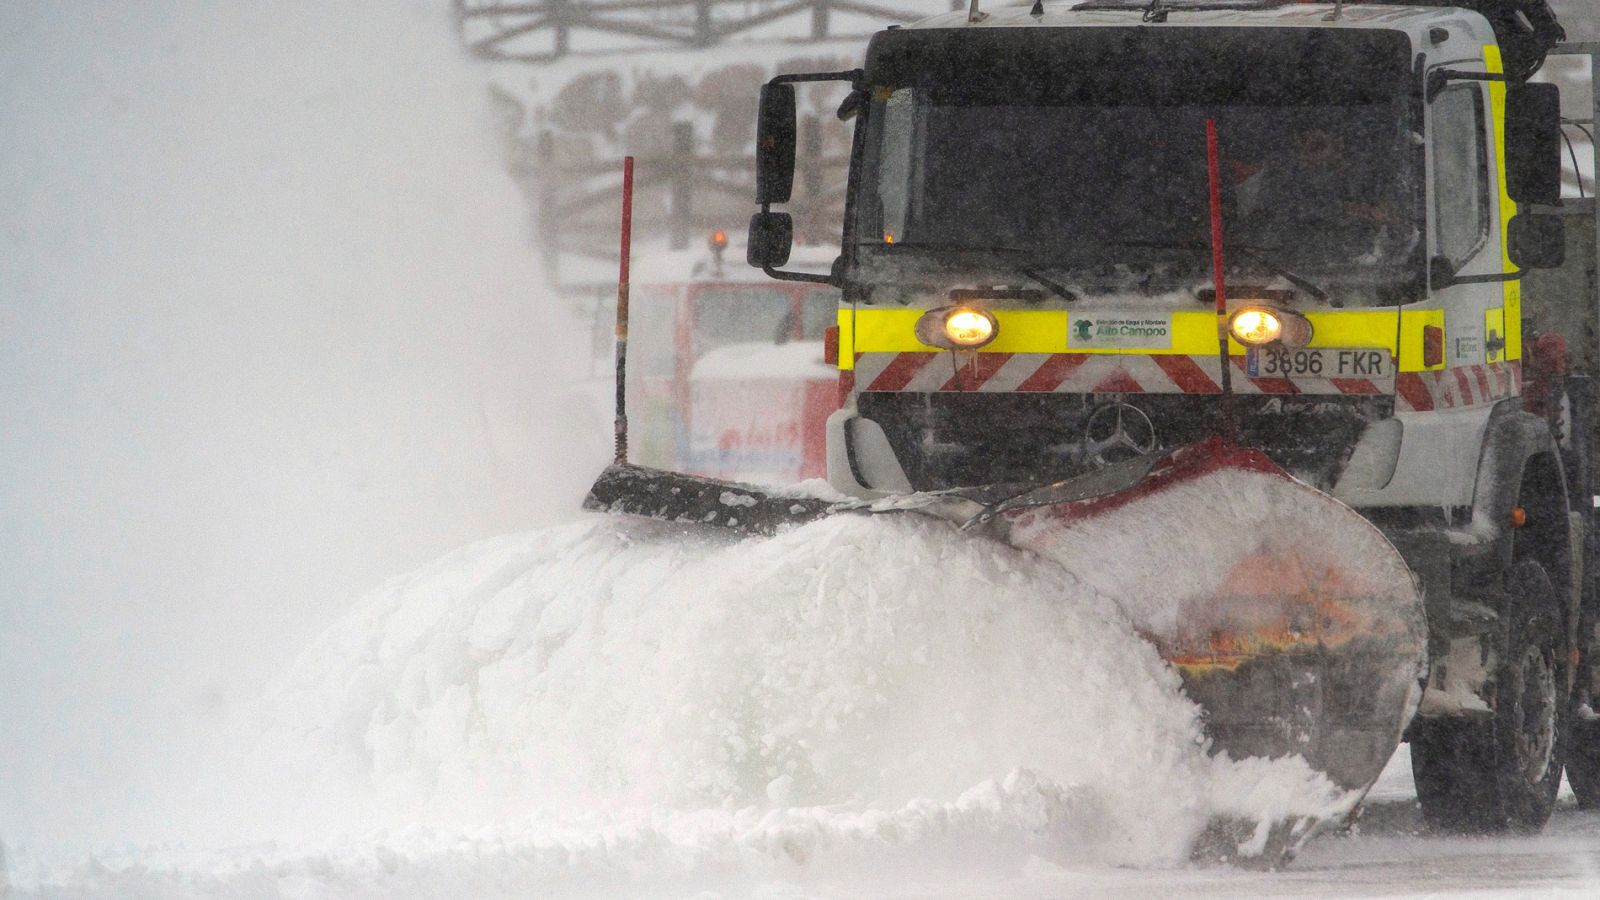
x=543 y=30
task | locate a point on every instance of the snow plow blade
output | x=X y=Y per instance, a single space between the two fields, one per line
x=693 y=500
x=1293 y=622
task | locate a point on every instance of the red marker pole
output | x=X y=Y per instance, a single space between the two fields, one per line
x=622 y=313
x=1214 y=172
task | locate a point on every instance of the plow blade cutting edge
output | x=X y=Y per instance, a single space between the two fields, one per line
x=1294 y=623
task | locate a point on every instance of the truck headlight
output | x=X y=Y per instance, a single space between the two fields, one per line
x=1253 y=327
x=957 y=327
x=1257 y=325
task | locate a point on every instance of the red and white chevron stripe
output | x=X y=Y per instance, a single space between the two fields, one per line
x=1083 y=373
x=1457 y=387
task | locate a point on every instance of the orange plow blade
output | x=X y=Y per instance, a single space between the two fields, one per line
x=1295 y=625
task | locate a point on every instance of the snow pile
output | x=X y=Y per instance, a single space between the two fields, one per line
x=859 y=689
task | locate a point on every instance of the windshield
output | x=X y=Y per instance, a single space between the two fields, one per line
x=1078 y=149
x=819 y=311
x=740 y=313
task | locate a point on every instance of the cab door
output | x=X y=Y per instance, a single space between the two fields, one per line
x=1468 y=206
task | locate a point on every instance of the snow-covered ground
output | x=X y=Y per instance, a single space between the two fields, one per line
x=964 y=850
x=861 y=707
x=624 y=700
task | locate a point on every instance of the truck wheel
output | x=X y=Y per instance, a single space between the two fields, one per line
x=1489 y=775
x=1583 y=732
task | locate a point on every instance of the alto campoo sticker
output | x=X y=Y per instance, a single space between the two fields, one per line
x=1091 y=331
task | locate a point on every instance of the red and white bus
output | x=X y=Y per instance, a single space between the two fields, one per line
x=726 y=370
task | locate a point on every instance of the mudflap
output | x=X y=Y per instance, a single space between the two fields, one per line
x=1295 y=625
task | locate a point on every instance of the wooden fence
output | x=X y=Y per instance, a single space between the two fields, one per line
x=689 y=189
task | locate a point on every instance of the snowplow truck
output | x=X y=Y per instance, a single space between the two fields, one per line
x=1267 y=319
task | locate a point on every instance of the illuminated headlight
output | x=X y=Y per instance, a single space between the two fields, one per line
x=957 y=327
x=1255 y=325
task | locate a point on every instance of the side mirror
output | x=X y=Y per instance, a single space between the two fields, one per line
x=1537 y=241
x=771 y=237
x=775 y=142
x=1533 y=143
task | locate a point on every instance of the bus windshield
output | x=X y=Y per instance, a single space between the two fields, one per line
x=740 y=313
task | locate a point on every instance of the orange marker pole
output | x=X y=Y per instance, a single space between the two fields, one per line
x=1214 y=174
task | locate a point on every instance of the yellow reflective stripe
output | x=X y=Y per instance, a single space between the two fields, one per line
x=1375 y=328
x=1193 y=333
x=847 y=338
x=871 y=330
x=1511 y=316
x=1356 y=328
x=1021 y=331
x=1412 y=321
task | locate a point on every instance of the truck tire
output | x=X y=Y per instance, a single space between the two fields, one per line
x=1583 y=732
x=1482 y=776
x=1575 y=413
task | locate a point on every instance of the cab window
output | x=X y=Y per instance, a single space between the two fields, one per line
x=738 y=313
x=1460 y=174
x=819 y=311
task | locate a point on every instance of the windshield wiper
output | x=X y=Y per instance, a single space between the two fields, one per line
x=1056 y=287
x=1278 y=269
x=1253 y=252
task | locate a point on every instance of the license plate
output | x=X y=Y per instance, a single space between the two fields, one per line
x=1321 y=362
